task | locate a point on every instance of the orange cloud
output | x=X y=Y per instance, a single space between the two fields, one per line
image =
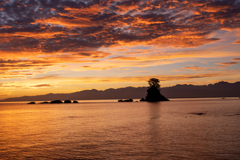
x=94 y=68
x=126 y=5
x=194 y=68
x=76 y=22
x=75 y=17
x=45 y=34
x=235 y=59
x=92 y=10
x=183 y=40
x=237 y=41
x=42 y=85
x=228 y=63
x=124 y=58
x=16 y=68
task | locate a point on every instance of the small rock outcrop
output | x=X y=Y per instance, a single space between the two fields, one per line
x=44 y=102
x=67 y=101
x=126 y=100
x=142 y=100
x=31 y=103
x=75 y=101
x=56 y=101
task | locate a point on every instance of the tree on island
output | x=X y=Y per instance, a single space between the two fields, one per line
x=154 y=94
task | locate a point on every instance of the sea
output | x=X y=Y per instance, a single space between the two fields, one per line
x=196 y=128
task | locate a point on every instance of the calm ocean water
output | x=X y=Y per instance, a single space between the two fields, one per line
x=179 y=129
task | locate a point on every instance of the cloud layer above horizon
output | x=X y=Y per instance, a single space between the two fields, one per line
x=50 y=45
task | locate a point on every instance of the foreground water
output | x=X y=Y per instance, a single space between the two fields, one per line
x=179 y=129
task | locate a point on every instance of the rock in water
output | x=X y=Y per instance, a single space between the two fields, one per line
x=56 y=101
x=126 y=100
x=67 y=101
x=31 y=103
x=154 y=95
x=75 y=101
x=44 y=102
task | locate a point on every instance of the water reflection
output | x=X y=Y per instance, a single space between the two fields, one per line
x=121 y=131
x=154 y=131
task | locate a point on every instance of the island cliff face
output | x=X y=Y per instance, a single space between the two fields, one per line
x=154 y=94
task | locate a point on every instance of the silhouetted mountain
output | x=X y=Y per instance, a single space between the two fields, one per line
x=220 y=89
x=120 y=93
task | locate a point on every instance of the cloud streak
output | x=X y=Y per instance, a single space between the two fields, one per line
x=42 y=85
x=228 y=63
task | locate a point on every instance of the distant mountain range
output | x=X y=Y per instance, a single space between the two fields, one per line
x=220 y=89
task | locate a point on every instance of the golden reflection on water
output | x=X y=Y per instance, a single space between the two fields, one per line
x=140 y=130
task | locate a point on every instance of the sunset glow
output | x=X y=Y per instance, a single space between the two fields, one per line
x=64 y=46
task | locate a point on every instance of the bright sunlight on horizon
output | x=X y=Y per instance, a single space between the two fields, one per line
x=64 y=46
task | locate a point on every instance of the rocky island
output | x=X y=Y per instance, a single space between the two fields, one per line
x=154 y=94
x=55 y=101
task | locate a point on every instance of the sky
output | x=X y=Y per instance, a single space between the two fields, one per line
x=64 y=46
